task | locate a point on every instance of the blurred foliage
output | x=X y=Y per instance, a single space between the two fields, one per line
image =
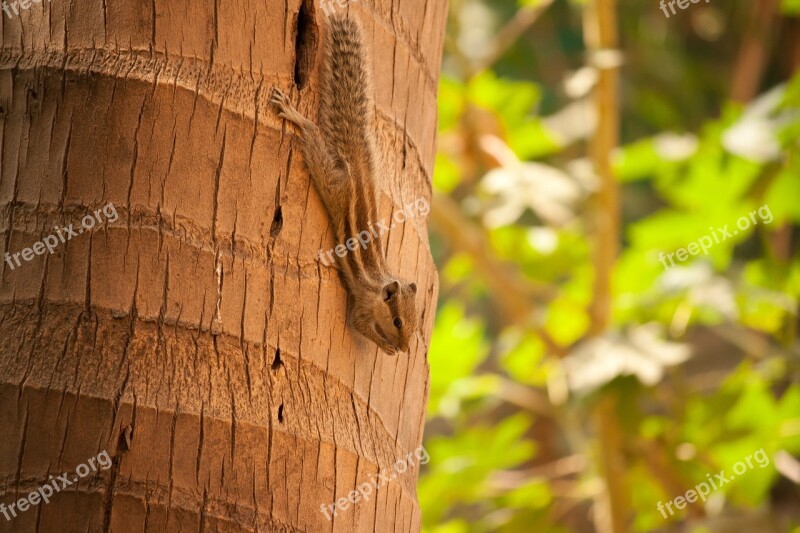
x=702 y=359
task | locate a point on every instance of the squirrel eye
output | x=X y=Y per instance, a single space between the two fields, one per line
x=398 y=323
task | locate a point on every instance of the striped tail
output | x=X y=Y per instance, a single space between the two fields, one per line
x=346 y=118
x=345 y=84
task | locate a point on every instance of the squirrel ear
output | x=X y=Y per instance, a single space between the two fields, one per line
x=390 y=290
x=413 y=287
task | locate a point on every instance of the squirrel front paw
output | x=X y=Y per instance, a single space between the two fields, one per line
x=388 y=349
x=287 y=110
x=370 y=334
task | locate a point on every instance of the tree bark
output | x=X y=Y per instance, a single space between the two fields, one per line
x=198 y=339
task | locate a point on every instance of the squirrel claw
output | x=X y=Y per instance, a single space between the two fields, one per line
x=278 y=98
x=389 y=349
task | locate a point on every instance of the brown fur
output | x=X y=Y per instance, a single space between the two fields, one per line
x=340 y=156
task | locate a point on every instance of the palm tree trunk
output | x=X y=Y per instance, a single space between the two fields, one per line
x=195 y=336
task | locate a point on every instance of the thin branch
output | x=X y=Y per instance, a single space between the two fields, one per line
x=657 y=462
x=754 y=52
x=565 y=466
x=510 y=33
x=525 y=397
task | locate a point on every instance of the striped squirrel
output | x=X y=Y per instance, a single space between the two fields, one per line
x=340 y=156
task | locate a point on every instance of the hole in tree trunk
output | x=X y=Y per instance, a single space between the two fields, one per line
x=277 y=223
x=280 y=414
x=126 y=438
x=276 y=364
x=305 y=44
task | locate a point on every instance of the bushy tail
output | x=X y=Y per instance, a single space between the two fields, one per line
x=345 y=86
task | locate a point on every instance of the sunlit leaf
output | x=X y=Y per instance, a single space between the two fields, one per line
x=457 y=347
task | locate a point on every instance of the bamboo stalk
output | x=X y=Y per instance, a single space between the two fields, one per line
x=611 y=511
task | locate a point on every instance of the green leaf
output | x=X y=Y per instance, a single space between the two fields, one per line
x=446 y=175
x=454 y=333
x=452 y=97
x=512 y=100
x=790 y=7
x=532 y=140
x=523 y=361
x=782 y=196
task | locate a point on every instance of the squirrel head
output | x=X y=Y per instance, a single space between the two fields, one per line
x=396 y=318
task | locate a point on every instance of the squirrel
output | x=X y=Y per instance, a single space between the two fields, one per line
x=340 y=156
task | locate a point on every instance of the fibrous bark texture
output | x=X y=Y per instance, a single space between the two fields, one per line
x=197 y=338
